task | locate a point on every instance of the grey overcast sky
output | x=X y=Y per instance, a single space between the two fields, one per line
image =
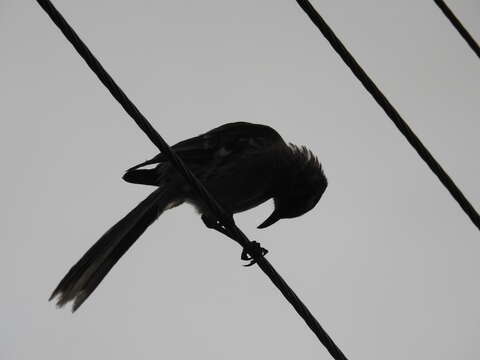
x=387 y=261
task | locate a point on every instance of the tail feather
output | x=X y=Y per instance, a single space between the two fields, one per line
x=89 y=271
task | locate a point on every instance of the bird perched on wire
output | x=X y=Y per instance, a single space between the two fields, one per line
x=241 y=164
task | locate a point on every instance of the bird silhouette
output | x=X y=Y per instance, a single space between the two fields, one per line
x=241 y=164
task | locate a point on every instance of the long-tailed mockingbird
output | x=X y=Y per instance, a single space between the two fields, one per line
x=241 y=164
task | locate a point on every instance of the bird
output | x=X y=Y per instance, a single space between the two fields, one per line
x=241 y=164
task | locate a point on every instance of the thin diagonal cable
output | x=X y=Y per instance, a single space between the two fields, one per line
x=458 y=25
x=390 y=110
x=226 y=220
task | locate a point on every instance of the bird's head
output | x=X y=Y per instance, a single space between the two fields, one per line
x=300 y=188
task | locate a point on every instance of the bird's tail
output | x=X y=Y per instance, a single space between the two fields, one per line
x=89 y=271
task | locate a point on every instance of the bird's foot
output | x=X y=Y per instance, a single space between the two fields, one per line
x=257 y=249
x=254 y=246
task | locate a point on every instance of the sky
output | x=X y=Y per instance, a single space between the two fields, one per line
x=387 y=261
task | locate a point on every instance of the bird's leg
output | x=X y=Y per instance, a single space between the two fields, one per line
x=254 y=246
x=212 y=223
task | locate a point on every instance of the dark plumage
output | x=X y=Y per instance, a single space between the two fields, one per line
x=241 y=164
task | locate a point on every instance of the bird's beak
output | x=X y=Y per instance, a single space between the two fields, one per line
x=272 y=219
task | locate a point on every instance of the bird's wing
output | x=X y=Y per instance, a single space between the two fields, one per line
x=223 y=140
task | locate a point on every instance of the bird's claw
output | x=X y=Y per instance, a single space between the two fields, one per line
x=255 y=247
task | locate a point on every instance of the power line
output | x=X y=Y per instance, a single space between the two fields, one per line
x=226 y=223
x=458 y=25
x=390 y=110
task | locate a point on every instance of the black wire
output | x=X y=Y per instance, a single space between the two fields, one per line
x=458 y=25
x=390 y=110
x=225 y=219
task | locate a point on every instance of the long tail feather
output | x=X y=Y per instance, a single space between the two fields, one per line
x=89 y=271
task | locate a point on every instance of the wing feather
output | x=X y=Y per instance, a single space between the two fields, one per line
x=221 y=141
